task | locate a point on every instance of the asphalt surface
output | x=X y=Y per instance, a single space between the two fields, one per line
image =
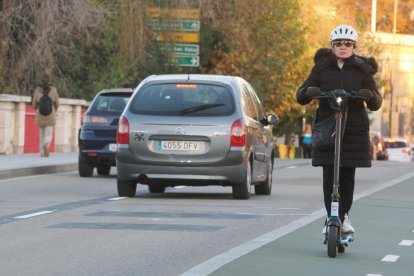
x=383 y=218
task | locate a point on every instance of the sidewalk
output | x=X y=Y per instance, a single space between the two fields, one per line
x=18 y=165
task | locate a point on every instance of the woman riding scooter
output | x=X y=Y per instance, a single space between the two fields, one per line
x=339 y=67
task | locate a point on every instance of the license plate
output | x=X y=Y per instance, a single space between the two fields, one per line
x=179 y=145
x=112 y=147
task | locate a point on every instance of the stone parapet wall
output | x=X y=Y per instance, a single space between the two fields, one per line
x=12 y=123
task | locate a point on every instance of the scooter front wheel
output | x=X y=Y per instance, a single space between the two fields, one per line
x=332 y=240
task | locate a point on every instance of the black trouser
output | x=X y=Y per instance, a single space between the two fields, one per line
x=307 y=151
x=346 y=189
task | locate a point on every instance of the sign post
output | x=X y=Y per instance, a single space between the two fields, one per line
x=178 y=31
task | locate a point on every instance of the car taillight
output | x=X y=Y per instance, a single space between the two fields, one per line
x=238 y=134
x=87 y=119
x=406 y=150
x=122 y=134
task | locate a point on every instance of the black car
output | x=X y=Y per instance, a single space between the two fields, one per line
x=97 y=135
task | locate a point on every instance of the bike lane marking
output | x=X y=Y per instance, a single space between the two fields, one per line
x=406 y=242
x=390 y=258
x=218 y=261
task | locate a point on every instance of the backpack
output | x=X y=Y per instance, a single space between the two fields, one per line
x=45 y=105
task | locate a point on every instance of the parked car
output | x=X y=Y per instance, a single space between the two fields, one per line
x=379 y=151
x=195 y=130
x=97 y=135
x=398 y=149
x=412 y=153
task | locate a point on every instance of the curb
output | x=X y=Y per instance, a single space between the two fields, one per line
x=48 y=169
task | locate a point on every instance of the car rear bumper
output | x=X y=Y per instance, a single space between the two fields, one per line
x=98 y=157
x=226 y=172
x=401 y=159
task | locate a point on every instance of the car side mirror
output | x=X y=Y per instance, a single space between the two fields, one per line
x=272 y=119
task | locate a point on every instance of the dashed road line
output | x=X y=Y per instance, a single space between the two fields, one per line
x=291 y=167
x=406 y=242
x=374 y=274
x=117 y=198
x=34 y=214
x=390 y=258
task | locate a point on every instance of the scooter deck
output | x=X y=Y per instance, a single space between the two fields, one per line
x=347 y=238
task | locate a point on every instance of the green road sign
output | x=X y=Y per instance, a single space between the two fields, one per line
x=190 y=61
x=175 y=25
x=181 y=49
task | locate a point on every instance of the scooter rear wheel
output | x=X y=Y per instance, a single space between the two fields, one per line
x=332 y=241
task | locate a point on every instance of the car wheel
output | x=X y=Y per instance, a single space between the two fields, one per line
x=265 y=188
x=126 y=187
x=155 y=187
x=85 y=169
x=103 y=169
x=242 y=190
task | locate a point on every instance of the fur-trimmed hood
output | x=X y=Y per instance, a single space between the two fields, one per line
x=324 y=57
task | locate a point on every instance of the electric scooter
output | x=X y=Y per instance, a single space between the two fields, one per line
x=334 y=238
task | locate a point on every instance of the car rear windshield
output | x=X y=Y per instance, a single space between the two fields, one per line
x=110 y=103
x=395 y=144
x=184 y=99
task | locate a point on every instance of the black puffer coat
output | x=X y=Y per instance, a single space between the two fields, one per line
x=357 y=73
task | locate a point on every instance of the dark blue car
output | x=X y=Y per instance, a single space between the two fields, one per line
x=97 y=135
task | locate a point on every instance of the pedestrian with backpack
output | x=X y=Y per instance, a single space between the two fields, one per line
x=46 y=103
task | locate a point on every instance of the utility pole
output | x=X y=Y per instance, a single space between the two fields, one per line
x=394 y=32
x=373 y=16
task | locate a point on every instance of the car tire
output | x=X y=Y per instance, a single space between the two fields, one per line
x=103 y=169
x=155 y=187
x=126 y=188
x=265 y=188
x=85 y=169
x=242 y=190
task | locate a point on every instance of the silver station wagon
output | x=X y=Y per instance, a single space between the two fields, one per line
x=195 y=130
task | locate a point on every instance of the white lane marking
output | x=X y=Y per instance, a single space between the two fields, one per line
x=374 y=274
x=288 y=208
x=221 y=260
x=179 y=187
x=291 y=167
x=21 y=177
x=390 y=258
x=406 y=242
x=218 y=261
x=34 y=214
x=117 y=198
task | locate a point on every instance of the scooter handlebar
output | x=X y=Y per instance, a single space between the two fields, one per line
x=333 y=94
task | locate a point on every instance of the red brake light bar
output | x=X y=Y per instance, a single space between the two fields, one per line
x=186 y=85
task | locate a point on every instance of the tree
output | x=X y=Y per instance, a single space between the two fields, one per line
x=360 y=11
x=265 y=45
x=38 y=33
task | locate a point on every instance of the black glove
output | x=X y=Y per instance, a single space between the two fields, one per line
x=313 y=92
x=366 y=94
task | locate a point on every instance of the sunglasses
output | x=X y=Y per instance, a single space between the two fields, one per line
x=347 y=43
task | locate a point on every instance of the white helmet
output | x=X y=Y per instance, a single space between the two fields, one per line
x=344 y=32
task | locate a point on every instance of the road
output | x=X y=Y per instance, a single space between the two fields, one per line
x=61 y=224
